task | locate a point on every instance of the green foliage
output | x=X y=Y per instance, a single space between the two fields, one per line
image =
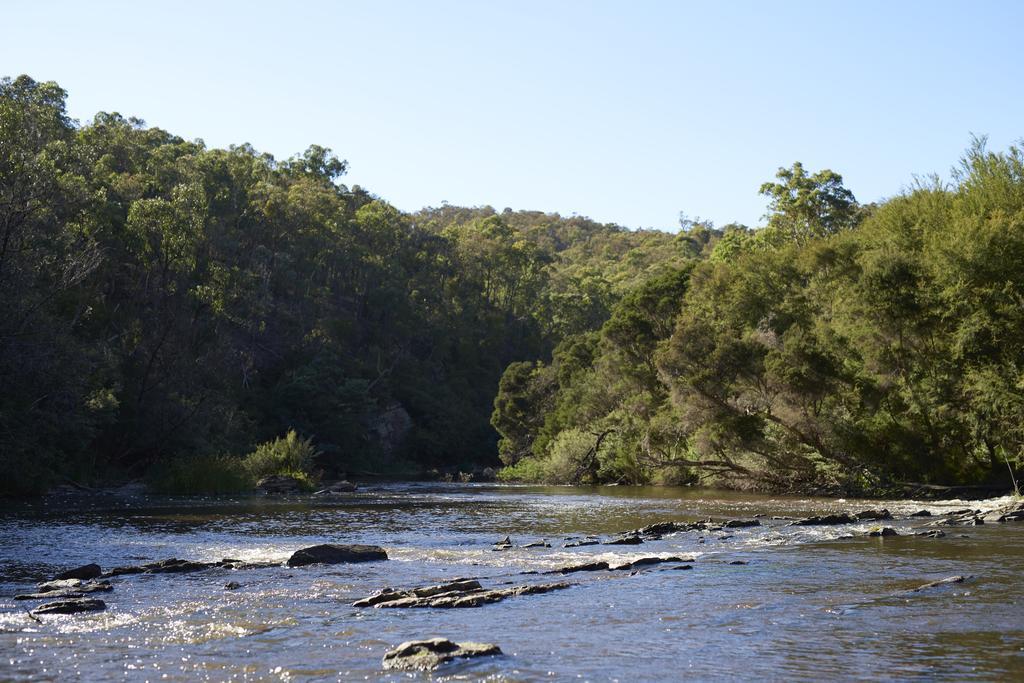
x=160 y=298
x=288 y=455
x=202 y=475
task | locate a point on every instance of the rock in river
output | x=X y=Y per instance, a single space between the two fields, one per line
x=73 y=606
x=882 y=531
x=625 y=540
x=65 y=588
x=337 y=488
x=840 y=518
x=280 y=485
x=86 y=571
x=457 y=593
x=333 y=553
x=424 y=655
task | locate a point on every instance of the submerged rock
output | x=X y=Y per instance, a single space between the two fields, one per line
x=86 y=571
x=333 y=553
x=232 y=585
x=581 y=543
x=425 y=655
x=538 y=544
x=72 y=606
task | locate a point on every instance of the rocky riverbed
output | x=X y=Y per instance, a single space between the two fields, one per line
x=543 y=568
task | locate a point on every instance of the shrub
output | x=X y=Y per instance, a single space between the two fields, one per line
x=288 y=455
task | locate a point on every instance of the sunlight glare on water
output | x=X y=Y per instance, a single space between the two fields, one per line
x=808 y=602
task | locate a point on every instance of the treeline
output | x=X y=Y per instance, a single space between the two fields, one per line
x=162 y=303
x=839 y=348
x=206 y=316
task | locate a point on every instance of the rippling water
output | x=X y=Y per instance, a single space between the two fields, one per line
x=811 y=602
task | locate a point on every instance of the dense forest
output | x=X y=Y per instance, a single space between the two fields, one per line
x=189 y=315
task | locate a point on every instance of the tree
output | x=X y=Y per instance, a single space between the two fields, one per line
x=803 y=206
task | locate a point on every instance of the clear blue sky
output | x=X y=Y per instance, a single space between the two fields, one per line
x=628 y=112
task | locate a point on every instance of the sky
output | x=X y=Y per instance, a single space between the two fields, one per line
x=626 y=112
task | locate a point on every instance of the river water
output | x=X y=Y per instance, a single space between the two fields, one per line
x=810 y=603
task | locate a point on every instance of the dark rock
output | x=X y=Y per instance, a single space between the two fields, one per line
x=940 y=582
x=337 y=488
x=586 y=567
x=280 y=485
x=934 y=533
x=625 y=540
x=65 y=588
x=72 y=606
x=461 y=593
x=333 y=553
x=646 y=562
x=538 y=544
x=874 y=514
x=883 y=531
x=921 y=513
x=682 y=567
x=86 y=571
x=725 y=538
x=580 y=544
x=425 y=655
x=840 y=518
x=232 y=585
x=739 y=562
x=176 y=566
x=740 y=523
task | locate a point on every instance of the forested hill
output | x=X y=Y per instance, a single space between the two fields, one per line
x=202 y=317
x=162 y=302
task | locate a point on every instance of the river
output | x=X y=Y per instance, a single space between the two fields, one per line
x=809 y=603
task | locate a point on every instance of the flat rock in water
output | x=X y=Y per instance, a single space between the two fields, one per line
x=625 y=540
x=337 y=488
x=921 y=513
x=333 y=553
x=941 y=582
x=933 y=533
x=740 y=523
x=86 y=571
x=884 y=531
x=73 y=606
x=646 y=562
x=874 y=514
x=538 y=544
x=52 y=589
x=280 y=485
x=580 y=544
x=458 y=593
x=586 y=567
x=822 y=520
x=425 y=655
